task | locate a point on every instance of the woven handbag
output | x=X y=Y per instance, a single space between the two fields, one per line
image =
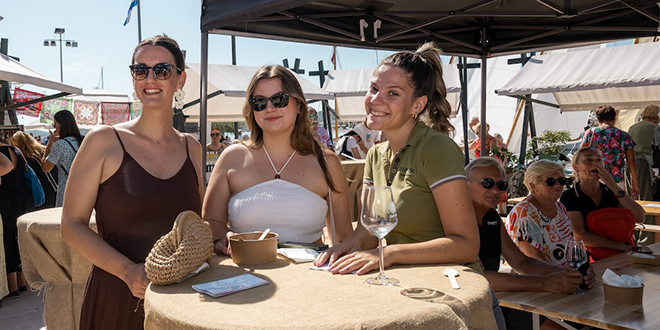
x=181 y=251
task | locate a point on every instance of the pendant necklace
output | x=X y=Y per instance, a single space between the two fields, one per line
x=277 y=173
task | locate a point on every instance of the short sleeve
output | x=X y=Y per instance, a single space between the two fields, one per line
x=587 y=137
x=57 y=152
x=628 y=141
x=523 y=228
x=369 y=166
x=442 y=161
x=351 y=143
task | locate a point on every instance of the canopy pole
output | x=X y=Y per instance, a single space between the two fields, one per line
x=484 y=60
x=204 y=68
x=462 y=75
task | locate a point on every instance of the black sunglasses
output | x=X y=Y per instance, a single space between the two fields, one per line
x=215 y=134
x=279 y=100
x=162 y=71
x=489 y=183
x=552 y=181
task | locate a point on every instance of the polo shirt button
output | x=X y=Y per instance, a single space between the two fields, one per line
x=393 y=171
x=397 y=160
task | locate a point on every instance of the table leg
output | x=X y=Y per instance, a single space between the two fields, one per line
x=536 y=321
x=562 y=323
x=657 y=222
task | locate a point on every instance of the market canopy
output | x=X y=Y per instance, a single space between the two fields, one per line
x=14 y=71
x=350 y=86
x=625 y=77
x=231 y=81
x=460 y=27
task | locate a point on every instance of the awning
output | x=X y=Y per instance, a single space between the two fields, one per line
x=14 y=71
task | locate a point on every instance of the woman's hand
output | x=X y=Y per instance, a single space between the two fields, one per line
x=332 y=254
x=52 y=138
x=136 y=279
x=221 y=245
x=361 y=261
x=590 y=278
x=566 y=281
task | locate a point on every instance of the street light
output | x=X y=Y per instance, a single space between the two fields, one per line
x=53 y=42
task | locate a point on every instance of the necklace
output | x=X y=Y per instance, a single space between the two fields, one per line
x=277 y=173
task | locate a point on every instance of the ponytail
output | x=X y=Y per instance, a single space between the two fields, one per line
x=425 y=70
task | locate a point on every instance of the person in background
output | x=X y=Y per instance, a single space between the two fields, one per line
x=491 y=142
x=320 y=131
x=539 y=224
x=643 y=134
x=15 y=200
x=594 y=189
x=283 y=178
x=369 y=137
x=216 y=143
x=347 y=145
x=616 y=146
x=34 y=152
x=485 y=185
x=138 y=176
x=61 y=149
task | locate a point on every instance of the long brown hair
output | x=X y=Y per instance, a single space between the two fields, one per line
x=425 y=69
x=30 y=147
x=302 y=139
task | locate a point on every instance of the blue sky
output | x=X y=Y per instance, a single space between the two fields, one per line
x=103 y=41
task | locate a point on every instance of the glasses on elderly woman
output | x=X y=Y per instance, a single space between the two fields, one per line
x=162 y=71
x=489 y=183
x=552 y=181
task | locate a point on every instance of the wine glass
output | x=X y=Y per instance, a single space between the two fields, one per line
x=577 y=258
x=379 y=217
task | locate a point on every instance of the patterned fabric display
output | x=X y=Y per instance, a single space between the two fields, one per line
x=115 y=112
x=86 y=112
x=32 y=110
x=51 y=107
x=136 y=109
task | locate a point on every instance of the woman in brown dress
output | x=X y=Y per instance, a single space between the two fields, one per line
x=139 y=176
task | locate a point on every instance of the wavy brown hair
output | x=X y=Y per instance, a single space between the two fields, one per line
x=30 y=147
x=425 y=76
x=302 y=139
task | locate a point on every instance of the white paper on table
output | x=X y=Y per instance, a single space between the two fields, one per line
x=623 y=281
x=299 y=255
x=652 y=205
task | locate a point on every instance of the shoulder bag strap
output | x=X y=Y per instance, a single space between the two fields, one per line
x=332 y=218
x=75 y=151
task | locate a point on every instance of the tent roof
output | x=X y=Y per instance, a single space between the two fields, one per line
x=14 y=71
x=233 y=81
x=457 y=26
x=626 y=77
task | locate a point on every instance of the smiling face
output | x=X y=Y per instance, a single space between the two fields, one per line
x=151 y=91
x=481 y=197
x=390 y=101
x=273 y=120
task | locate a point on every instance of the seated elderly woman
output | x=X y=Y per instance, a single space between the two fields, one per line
x=595 y=190
x=539 y=224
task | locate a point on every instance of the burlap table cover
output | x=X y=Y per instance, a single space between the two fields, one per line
x=299 y=298
x=354 y=170
x=51 y=265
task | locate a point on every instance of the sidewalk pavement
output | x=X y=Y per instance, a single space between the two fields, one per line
x=23 y=313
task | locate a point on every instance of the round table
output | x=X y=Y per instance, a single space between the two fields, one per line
x=299 y=298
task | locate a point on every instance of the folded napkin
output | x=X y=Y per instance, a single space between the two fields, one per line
x=298 y=255
x=624 y=281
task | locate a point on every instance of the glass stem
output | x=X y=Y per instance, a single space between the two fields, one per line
x=381 y=261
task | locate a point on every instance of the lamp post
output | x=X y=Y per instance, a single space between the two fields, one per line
x=68 y=43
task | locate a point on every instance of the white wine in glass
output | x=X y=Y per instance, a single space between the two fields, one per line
x=379 y=217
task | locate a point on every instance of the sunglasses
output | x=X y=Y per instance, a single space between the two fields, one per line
x=215 y=134
x=162 y=71
x=489 y=183
x=279 y=100
x=552 y=181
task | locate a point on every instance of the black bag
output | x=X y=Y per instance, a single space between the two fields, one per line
x=656 y=157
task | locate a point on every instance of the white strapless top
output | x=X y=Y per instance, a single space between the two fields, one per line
x=293 y=212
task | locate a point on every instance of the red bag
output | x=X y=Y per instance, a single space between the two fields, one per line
x=614 y=223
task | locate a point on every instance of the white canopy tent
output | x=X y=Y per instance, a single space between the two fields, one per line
x=232 y=81
x=349 y=87
x=625 y=77
x=14 y=71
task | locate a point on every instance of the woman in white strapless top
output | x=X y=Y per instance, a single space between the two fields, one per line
x=281 y=178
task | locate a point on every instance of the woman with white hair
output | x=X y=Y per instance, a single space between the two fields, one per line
x=539 y=224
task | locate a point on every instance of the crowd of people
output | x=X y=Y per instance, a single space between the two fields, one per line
x=286 y=177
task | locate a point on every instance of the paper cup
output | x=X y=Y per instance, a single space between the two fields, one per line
x=627 y=296
x=247 y=249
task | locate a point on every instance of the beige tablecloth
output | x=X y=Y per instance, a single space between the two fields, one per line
x=299 y=298
x=354 y=170
x=52 y=265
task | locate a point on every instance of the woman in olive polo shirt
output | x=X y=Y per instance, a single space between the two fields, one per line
x=422 y=164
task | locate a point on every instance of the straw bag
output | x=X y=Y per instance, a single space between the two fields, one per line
x=181 y=251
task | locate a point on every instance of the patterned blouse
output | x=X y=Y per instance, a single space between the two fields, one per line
x=62 y=156
x=613 y=144
x=527 y=223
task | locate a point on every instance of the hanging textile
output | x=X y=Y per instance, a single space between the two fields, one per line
x=86 y=112
x=21 y=95
x=51 y=107
x=115 y=112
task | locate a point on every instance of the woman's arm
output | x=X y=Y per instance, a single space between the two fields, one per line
x=632 y=165
x=89 y=169
x=195 y=154
x=340 y=202
x=6 y=164
x=590 y=239
x=216 y=200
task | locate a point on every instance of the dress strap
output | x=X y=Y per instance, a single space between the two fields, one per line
x=118 y=138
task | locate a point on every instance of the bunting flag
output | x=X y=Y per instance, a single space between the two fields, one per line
x=51 y=107
x=32 y=110
x=136 y=109
x=86 y=112
x=134 y=3
x=115 y=112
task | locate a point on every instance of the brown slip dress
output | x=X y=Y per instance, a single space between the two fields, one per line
x=133 y=210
